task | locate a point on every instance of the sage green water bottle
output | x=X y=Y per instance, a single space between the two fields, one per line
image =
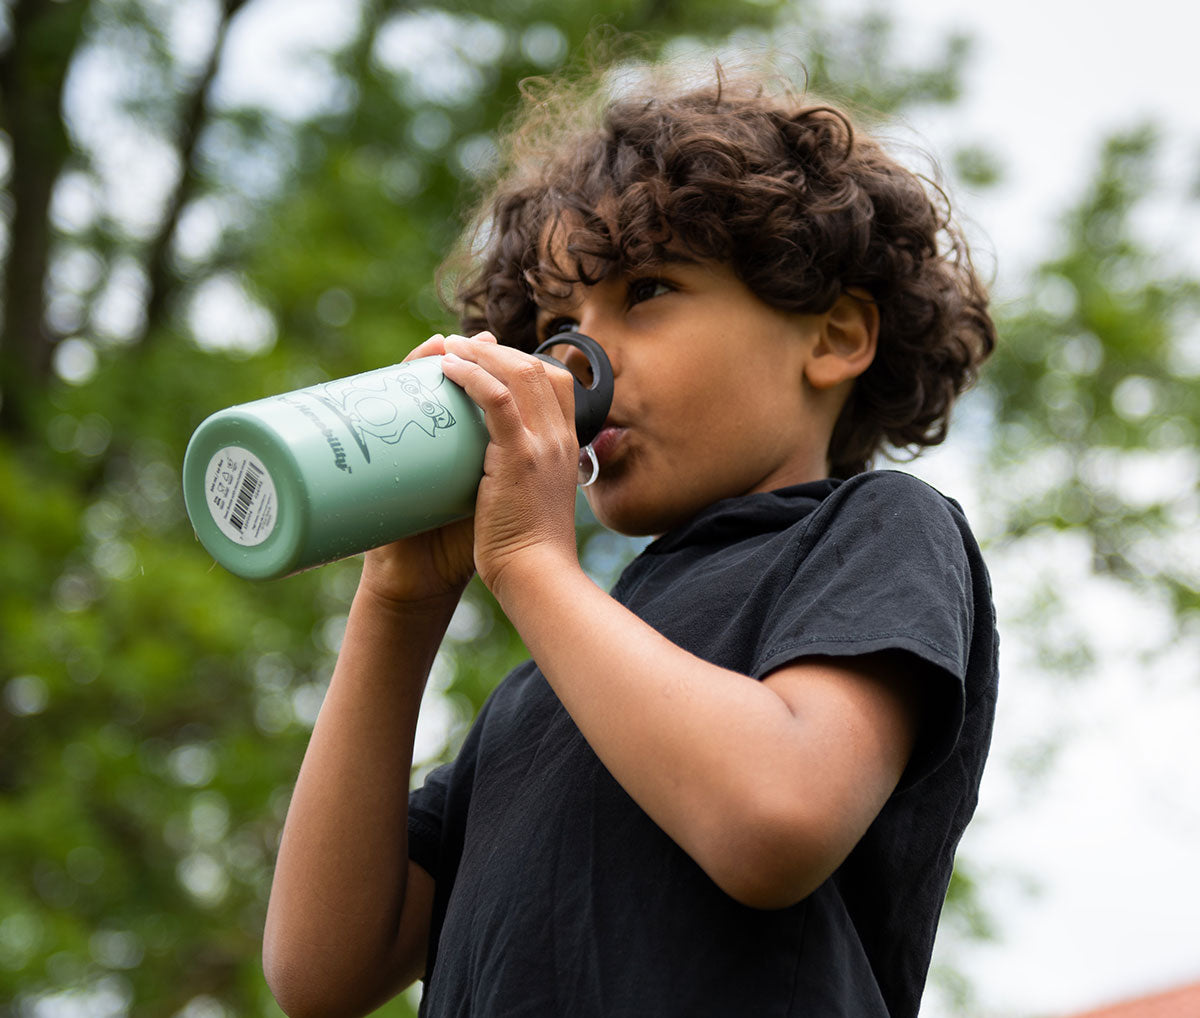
x=306 y=477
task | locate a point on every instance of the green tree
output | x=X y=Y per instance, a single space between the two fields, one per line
x=1086 y=425
x=160 y=232
x=174 y=243
x=1095 y=384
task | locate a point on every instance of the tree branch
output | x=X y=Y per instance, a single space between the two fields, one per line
x=33 y=70
x=193 y=119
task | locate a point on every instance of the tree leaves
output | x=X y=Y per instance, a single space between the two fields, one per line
x=179 y=241
x=1092 y=391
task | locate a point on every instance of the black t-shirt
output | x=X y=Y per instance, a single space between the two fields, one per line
x=557 y=895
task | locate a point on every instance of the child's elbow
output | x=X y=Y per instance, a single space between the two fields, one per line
x=760 y=885
x=286 y=990
x=289 y=991
x=300 y=991
x=776 y=858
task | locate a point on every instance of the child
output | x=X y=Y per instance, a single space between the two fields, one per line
x=734 y=785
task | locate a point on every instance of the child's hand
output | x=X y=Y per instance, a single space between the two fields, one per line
x=425 y=567
x=525 y=510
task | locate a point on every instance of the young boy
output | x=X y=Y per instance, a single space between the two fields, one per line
x=734 y=785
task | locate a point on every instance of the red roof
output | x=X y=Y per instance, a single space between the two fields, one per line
x=1183 y=1002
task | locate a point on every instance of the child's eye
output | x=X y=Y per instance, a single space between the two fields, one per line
x=645 y=289
x=557 y=325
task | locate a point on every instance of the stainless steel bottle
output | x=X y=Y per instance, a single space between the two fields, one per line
x=306 y=477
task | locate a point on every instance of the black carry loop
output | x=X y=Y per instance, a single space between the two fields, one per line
x=591 y=402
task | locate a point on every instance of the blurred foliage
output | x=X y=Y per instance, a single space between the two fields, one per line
x=1094 y=393
x=184 y=229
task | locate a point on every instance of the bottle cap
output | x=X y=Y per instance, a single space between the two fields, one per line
x=592 y=402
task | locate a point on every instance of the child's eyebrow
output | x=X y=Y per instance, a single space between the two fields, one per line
x=552 y=304
x=548 y=303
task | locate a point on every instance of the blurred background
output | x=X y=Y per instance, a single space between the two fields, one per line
x=207 y=201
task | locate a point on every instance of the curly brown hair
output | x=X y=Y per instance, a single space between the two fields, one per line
x=802 y=205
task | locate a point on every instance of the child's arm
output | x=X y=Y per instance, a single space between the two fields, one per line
x=349 y=915
x=767 y=785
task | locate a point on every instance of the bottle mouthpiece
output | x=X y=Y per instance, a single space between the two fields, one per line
x=593 y=401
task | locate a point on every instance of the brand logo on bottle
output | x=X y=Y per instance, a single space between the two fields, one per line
x=334 y=443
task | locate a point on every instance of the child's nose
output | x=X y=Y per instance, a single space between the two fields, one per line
x=578 y=364
x=575 y=360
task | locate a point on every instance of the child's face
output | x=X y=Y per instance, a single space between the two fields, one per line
x=711 y=399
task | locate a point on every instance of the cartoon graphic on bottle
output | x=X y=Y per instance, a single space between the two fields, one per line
x=382 y=406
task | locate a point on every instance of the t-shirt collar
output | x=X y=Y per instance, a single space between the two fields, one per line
x=744 y=515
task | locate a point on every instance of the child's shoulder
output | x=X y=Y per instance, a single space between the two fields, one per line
x=892 y=506
x=889 y=488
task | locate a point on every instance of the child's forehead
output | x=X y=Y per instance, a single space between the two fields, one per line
x=562 y=266
x=569 y=234
x=564 y=227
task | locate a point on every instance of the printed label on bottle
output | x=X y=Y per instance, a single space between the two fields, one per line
x=241 y=496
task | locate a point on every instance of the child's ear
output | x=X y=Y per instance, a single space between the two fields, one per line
x=845 y=345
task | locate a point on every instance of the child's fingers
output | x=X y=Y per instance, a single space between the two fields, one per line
x=436 y=345
x=543 y=397
x=433 y=346
x=501 y=415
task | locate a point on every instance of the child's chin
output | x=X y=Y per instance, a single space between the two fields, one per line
x=625 y=516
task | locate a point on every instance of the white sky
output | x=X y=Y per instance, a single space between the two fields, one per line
x=1048 y=80
x=1110 y=833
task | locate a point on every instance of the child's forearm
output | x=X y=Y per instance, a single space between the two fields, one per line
x=766 y=788
x=336 y=916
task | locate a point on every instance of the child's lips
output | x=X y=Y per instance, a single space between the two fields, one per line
x=604 y=445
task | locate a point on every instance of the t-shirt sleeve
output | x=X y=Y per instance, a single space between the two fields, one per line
x=426 y=814
x=437 y=810
x=883 y=565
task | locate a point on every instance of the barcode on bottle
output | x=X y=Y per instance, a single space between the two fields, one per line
x=245 y=496
x=242 y=500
